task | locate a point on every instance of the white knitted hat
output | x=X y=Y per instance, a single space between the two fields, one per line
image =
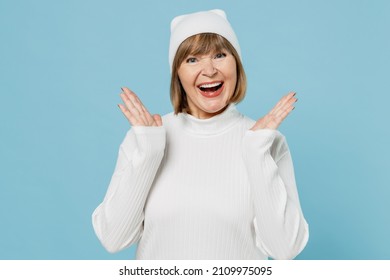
x=213 y=21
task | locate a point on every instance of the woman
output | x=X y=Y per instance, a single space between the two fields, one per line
x=203 y=182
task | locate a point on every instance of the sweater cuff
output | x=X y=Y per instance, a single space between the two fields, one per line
x=260 y=139
x=150 y=139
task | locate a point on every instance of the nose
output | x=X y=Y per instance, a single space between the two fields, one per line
x=208 y=67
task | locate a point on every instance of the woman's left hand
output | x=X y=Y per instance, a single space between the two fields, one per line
x=275 y=117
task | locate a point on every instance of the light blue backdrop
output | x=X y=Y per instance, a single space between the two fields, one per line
x=63 y=63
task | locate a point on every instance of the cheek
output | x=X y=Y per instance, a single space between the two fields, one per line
x=231 y=72
x=185 y=78
x=232 y=77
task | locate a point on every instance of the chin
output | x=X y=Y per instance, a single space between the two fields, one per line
x=215 y=108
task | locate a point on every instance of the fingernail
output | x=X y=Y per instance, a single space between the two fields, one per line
x=294 y=93
x=293 y=108
x=122 y=89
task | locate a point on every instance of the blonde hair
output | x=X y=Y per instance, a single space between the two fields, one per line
x=200 y=44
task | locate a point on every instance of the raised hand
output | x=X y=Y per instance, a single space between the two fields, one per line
x=275 y=117
x=135 y=112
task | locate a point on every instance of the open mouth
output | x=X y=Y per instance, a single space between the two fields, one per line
x=211 y=87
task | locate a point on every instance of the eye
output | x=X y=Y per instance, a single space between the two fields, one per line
x=220 y=55
x=191 y=60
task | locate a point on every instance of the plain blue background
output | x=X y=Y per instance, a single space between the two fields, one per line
x=63 y=63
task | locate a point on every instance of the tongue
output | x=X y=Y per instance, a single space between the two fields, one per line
x=210 y=89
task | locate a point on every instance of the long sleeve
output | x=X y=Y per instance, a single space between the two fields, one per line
x=118 y=220
x=281 y=229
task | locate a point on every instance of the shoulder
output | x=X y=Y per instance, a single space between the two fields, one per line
x=169 y=119
x=247 y=122
x=172 y=124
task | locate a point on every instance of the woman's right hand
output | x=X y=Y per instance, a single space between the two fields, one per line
x=135 y=112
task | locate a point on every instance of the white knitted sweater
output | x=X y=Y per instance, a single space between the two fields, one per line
x=203 y=189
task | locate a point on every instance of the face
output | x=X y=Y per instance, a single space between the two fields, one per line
x=209 y=82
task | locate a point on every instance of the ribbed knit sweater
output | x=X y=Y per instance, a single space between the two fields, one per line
x=203 y=189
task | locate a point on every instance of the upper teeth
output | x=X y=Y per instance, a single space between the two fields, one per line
x=210 y=85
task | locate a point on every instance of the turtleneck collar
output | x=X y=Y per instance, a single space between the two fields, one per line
x=213 y=125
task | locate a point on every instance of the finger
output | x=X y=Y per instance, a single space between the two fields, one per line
x=274 y=118
x=136 y=106
x=288 y=97
x=135 y=110
x=285 y=99
x=283 y=114
x=132 y=120
x=274 y=122
x=130 y=107
x=143 y=113
x=286 y=106
x=148 y=116
x=158 y=120
x=276 y=107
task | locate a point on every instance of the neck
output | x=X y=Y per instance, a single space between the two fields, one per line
x=205 y=115
x=212 y=125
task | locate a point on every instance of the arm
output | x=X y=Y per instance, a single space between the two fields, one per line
x=281 y=229
x=118 y=220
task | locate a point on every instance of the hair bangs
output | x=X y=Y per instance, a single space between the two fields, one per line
x=204 y=43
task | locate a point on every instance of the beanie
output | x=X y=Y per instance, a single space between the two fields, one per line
x=213 y=21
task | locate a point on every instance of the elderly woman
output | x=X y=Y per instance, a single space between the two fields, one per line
x=205 y=181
